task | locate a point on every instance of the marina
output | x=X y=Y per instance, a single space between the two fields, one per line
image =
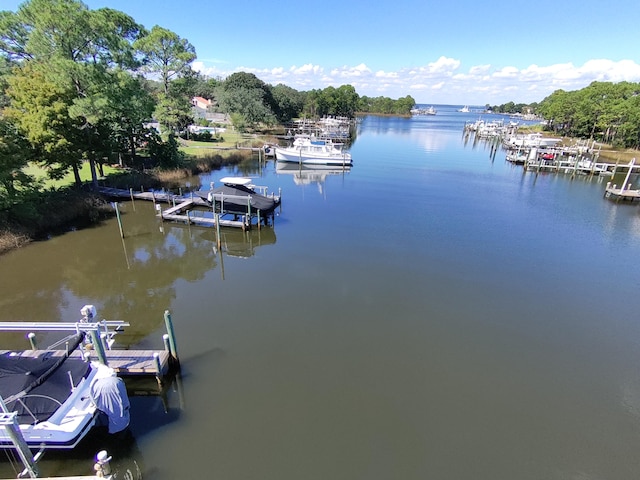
x=484 y=335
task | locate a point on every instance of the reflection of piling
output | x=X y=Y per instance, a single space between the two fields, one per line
x=119 y=219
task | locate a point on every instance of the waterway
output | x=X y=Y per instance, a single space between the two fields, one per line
x=434 y=312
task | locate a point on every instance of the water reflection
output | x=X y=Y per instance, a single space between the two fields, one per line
x=310 y=175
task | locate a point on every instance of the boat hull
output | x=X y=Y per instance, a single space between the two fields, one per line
x=296 y=156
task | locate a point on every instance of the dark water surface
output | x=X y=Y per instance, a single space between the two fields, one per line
x=432 y=313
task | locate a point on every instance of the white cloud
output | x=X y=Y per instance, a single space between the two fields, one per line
x=444 y=65
x=442 y=82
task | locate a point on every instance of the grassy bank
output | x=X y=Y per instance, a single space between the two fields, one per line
x=60 y=205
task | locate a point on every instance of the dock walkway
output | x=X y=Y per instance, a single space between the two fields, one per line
x=190 y=209
x=124 y=362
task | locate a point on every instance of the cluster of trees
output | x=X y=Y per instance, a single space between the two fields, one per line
x=604 y=111
x=251 y=102
x=83 y=85
x=512 y=108
x=74 y=88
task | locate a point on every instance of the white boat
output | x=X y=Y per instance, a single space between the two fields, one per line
x=57 y=398
x=424 y=111
x=312 y=151
x=239 y=196
x=535 y=139
x=464 y=109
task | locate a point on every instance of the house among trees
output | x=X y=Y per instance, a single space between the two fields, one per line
x=200 y=102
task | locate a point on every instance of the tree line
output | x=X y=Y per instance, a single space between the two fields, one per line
x=603 y=111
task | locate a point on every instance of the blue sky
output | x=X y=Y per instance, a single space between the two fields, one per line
x=446 y=51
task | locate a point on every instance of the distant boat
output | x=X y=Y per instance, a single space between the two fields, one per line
x=424 y=111
x=312 y=151
x=464 y=109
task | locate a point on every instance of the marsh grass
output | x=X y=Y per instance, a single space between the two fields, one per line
x=49 y=213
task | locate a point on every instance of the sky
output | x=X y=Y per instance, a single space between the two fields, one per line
x=459 y=52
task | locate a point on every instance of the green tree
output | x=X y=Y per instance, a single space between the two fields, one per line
x=169 y=57
x=15 y=153
x=40 y=110
x=289 y=102
x=166 y=55
x=246 y=95
x=74 y=50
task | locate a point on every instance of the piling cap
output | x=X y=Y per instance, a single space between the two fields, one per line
x=102 y=457
x=88 y=311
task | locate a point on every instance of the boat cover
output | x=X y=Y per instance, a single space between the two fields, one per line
x=33 y=386
x=110 y=396
x=235 y=205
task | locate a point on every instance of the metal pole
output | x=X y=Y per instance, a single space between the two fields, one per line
x=10 y=422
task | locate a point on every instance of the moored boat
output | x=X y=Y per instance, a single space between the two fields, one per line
x=56 y=398
x=312 y=151
x=238 y=195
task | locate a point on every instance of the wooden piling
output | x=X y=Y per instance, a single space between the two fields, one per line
x=172 y=338
x=98 y=347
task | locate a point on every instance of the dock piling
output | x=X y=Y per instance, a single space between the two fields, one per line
x=102 y=466
x=98 y=347
x=32 y=341
x=173 y=349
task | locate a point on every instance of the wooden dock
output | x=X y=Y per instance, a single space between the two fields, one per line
x=189 y=209
x=184 y=212
x=618 y=194
x=123 y=362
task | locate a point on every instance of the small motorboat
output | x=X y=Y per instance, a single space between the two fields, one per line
x=239 y=196
x=57 y=398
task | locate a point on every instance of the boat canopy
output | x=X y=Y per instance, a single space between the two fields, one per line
x=233 y=204
x=36 y=386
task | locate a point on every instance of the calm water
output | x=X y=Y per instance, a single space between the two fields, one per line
x=434 y=313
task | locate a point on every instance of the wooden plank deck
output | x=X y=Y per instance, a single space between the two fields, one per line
x=620 y=194
x=91 y=477
x=124 y=362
